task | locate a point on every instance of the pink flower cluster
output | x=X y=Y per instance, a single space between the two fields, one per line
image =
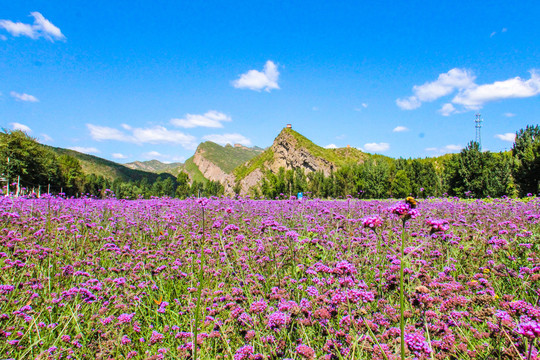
x=372 y=222
x=529 y=329
x=438 y=225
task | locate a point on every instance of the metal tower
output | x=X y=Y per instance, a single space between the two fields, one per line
x=478 y=125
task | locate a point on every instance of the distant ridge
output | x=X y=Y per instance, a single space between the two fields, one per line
x=108 y=169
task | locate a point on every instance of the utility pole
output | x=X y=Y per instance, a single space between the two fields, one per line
x=478 y=126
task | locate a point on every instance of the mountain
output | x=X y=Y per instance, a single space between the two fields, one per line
x=211 y=161
x=217 y=163
x=155 y=166
x=291 y=150
x=108 y=169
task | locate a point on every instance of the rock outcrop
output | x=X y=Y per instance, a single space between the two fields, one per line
x=290 y=153
x=211 y=171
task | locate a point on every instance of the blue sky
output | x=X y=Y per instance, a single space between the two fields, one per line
x=137 y=80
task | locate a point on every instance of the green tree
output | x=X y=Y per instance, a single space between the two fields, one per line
x=71 y=174
x=526 y=152
x=21 y=155
x=401 y=185
x=182 y=190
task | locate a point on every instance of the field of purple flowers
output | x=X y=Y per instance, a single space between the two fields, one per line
x=244 y=279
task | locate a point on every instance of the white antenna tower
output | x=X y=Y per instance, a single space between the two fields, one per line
x=478 y=125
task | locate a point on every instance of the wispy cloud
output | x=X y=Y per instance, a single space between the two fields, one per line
x=153 y=135
x=509 y=114
x=445 y=149
x=224 y=139
x=21 y=127
x=400 y=129
x=364 y=106
x=23 y=97
x=85 y=150
x=470 y=96
x=377 y=147
x=211 y=119
x=162 y=157
x=510 y=137
x=46 y=138
x=118 y=156
x=503 y=30
x=447 y=109
x=331 y=146
x=257 y=80
x=40 y=28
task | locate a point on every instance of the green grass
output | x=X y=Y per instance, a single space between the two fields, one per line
x=258 y=162
x=193 y=171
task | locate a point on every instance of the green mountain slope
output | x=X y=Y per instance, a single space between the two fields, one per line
x=227 y=157
x=108 y=169
x=155 y=166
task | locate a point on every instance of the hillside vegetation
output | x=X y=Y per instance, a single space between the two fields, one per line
x=108 y=169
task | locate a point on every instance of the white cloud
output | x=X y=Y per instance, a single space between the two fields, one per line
x=3 y=37
x=364 y=105
x=21 y=127
x=509 y=114
x=473 y=98
x=447 y=109
x=453 y=147
x=492 y=34
x=46 y=138
x=118 y=156
x=446 y=149
x=445 y=84
x=165 y=158
x=41 y=28
x=212 y=119
x=101 y=133
x=510 y=137
x=377 y=147
x=153 y=135
x=256 y=80
x=160 y=134
x=86 y=150
x=23 y=97
x=228 y=139
x=154 y=155
x=331 y=146
x=504 y=30
x=409 y=103
x=470 y=95
x=400 y=129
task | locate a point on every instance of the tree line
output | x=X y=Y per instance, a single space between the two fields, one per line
x=472 y=173
x=37 y=169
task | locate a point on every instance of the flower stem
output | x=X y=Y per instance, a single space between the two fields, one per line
x=199 y=291
x=401 y=296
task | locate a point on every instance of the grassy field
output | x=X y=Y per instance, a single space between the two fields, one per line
x=245 y=279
